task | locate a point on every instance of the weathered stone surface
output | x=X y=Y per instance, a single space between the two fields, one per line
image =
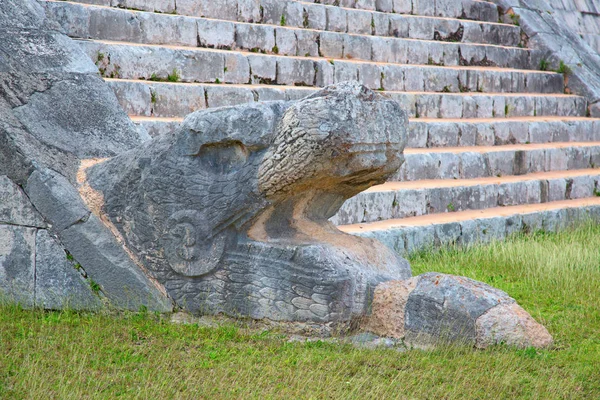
x=108 y=264
x=58 y=285
x=54 y=110
x=47 y=81
x=268 y=250
x=445 y=308
x=511 y=325
x=15 y=207
x=17 y=264
x=437 y=308
x=389 y=306
x=56 y=199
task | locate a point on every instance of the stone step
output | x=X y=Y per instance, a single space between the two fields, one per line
x=409 y=235
x=294 y=12
x=498 y=161
x=395 y=200
x=323 y=46
x=100 y=22
x=158 y=62
x=429 y=133
x=147 y=98
x=434 y=132
x=468 y=9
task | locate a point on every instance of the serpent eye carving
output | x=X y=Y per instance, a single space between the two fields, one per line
x=188 y=248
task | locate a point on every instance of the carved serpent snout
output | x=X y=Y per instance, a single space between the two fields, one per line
x=342 y=139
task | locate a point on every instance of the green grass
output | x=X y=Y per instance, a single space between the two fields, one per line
x=556 y=277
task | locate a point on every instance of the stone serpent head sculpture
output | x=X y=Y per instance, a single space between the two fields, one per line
x=230 y=212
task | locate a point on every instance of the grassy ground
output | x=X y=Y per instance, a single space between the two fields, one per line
x=555 y=277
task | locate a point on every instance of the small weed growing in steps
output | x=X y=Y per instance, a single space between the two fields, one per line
x=173 y=76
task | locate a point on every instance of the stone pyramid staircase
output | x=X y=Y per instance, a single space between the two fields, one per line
x=495 y=144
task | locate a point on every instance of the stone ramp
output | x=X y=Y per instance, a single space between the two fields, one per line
x=490 y=133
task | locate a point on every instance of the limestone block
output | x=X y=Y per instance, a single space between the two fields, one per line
x=388 y=50
x=269 y=94
x=237 y=68
x=393 y=77
x=134 y=97
x=582 y=187
x=292 y=71
x=448 y=8
x=381 y=24
x=370 y=75
x=403 y=7
x=263 y=69
x=162 y=6
x=286 y=42
x=514 y=225
x=58 y=284
x=255 y=37
x=443 y=135
x=422 y=7
x=193 y=8
x=428 y=106
x=345 y=71
x=324 y=73
x=471 y=55
x=173 y=100
x=73 y=20
x=331 y=45
x=15 y=207
x=418 y=53
x=294 y=14
x=222 y=96
x=317 y=16
x=473 y=165
x=417 y=137
x=468 y=133
x=385 y=6
x=17 y=264
x=414 y=78
x=115 y=24
x=419 y=238
x=485 y=135
x=451 y=106
x=225 y=9
x=248 y=11
x=216 y=34
x=357 y=47
x=441 y=80
x=272 y=11
x=359 y=22
x=365 y=4
x=337 y=20
x=307 y=43
x=420 y=28
x=447 y=234
x=168 y=29
x=476 y=33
